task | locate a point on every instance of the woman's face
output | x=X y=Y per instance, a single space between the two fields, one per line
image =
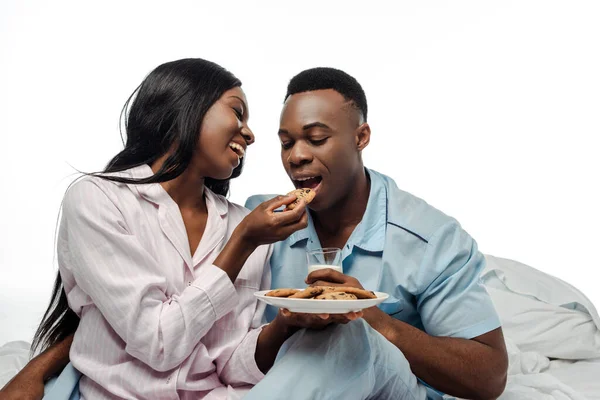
x=224 y=136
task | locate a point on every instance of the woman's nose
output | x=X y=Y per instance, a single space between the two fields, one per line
x=248 y=135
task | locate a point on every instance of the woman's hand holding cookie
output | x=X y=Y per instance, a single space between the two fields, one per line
x=305 y=194
x=265 y=226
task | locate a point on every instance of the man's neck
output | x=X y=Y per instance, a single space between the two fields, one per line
x=335 y=225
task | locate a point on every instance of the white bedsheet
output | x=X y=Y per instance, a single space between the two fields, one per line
x=13 y=357
x=526 y=299
x=531 y=376
x=552 y=333
x=583 y=376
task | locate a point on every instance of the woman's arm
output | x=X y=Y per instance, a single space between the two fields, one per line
x=128 y=285
x=262 y=226
x=28 y=384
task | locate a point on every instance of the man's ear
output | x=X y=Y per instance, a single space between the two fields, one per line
x=363 y=136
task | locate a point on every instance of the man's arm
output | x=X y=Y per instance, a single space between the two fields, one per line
x=29 y=382
x=467 y=368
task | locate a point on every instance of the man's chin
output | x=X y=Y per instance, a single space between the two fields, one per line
x=317 y=205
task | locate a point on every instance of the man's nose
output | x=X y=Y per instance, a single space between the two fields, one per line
x=299 y=155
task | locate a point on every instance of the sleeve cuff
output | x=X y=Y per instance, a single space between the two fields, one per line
x=478 y=329
x=249 y=361
x=219 y=289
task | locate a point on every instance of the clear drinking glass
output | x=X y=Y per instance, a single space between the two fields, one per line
x=329 y=257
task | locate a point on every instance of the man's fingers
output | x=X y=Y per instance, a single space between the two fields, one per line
x=325 y=283
x=327 y=275
x=319 y=321
x=345 y=318
x=354 y=315
x=285 y=312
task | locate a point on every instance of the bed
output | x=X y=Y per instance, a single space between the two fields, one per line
x=552 y=333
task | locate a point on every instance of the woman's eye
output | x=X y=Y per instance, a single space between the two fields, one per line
x=286 y=145
x=238 y=113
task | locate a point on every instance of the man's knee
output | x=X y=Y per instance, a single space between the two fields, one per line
x=362 y=338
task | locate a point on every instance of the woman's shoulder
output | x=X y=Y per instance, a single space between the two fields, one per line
x=238 y=209
x=84 y=188
x=89 y=191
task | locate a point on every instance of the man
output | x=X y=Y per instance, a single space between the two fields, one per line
x=438 y=314
x=438 y=317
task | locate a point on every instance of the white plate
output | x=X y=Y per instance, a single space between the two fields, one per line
x=313 y=306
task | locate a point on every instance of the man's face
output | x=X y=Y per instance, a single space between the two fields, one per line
x=319 y=144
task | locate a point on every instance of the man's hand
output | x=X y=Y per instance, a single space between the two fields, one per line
x=314 y=321
x=330 y=277
x=28 y=384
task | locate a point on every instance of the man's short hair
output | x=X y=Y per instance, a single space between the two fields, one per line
x=330 y=78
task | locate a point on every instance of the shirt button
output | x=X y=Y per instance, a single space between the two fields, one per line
x=168 y=379
x=189 y=283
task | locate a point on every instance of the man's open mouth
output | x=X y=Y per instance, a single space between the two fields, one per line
x=309 y=182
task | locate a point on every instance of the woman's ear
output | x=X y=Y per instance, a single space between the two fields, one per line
x=363 y=136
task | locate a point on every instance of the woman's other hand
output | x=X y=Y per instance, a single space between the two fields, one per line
x=28 y=384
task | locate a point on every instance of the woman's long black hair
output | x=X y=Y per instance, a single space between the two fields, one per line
x=165 y=112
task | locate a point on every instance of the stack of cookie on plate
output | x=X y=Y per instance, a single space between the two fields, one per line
x=323 y=293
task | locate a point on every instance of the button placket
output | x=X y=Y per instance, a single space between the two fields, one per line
x=188 y=276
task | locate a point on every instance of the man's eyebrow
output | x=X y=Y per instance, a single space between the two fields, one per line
x=306 y=127
x=315 y=125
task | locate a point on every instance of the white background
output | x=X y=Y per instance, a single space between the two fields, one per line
x=487 y=110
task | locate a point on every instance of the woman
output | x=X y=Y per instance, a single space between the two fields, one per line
x=157 y=264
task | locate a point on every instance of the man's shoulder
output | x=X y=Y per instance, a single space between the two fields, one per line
x=256 y=199
x=411 y=213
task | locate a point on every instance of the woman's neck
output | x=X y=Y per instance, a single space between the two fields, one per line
x=187 y=190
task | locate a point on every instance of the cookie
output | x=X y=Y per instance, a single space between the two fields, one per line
x=308 y=293
x=281 y=292
x=336 y=296
x=307 y=194
x=359 y=293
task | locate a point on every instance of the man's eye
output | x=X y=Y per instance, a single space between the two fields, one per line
x=318 y=142
x=287 y=145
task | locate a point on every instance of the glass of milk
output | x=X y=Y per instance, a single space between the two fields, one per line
x=329 y=257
